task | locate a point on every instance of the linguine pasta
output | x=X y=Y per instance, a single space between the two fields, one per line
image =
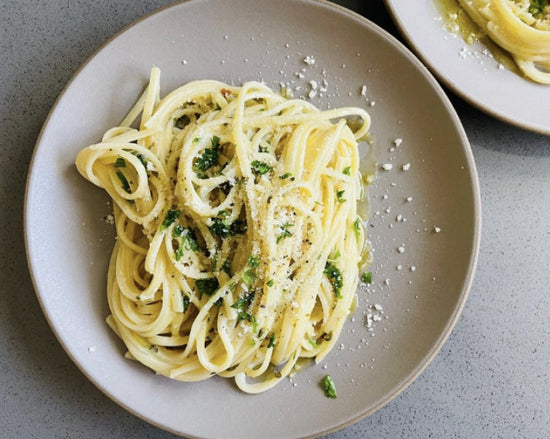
x=238 y=237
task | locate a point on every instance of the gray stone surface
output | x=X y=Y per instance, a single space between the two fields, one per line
x=492 y=377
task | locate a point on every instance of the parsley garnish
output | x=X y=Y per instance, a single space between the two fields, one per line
x=185 y=302
x=285 y=176
x=243 y=315
x=244 y=302
x=347 y=170
x=226 y=268
x=253 y=261
x=209 y=157
x=339 y=195
x=270 y=283
x=313 y=343
x=335 y=277
x=125 y=184
x=171 y=216
x=223 y=230
x=367 y=277
x=271 y=343
x=260 y=168
x=249 y=277
x=207 y=286
x=285 y=233
x=327 y=384
x=120 y=163
x=141 y=158
x=537 y=6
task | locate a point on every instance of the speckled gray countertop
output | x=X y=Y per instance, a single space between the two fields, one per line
x=492 y=377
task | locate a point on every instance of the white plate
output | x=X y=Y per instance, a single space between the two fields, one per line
x=470 y=72
x=68 y=243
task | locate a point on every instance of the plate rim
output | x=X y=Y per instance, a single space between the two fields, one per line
x=477 y=103
x=476 y=210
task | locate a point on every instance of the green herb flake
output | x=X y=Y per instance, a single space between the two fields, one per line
x=226 y=267
x=335 y=277
x=347 y=170
x=366 y=277
x=260 y=168
x=223 y=230
x=120 y=163
x=185 y=302
x=171 y=216
x=270 y=283
x=285 y=233
x=179 y=253
x=313 y=343
x=123 y=181
x=271 y=343
x=141 y=158
x=327 y=384
x=207 y=286
x=209 y=157
x=249 y=277
x=177 y=231
x=340 y=195
x=536 y=7
x=196 y=139
x=285 y=176
x=253 y=261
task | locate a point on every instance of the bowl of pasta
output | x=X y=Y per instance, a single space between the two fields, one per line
x=493 y=53
x=256 y=215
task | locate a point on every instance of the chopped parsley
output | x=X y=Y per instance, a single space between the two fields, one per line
x=313 y=343
x=271 y=343
x=249 y=277
x=339 y=196
x=223 y=230
x=537 y=7
x=327 y=384
x=141 y=158
x=188 y=237
x=209 y=157
x=185 y=302
x=123 y=181
x=207 y=286
x=335 y=277
x=226 y=267
x=244 y=302
x=285 y=233
x=366 y=277
x=285 y=176
x=260 y=168
x=243 y=315
x=270 y=283
x=253 y=261
x=347 y=170
x=171 y=216
x=120 y=163
x=196 y=139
